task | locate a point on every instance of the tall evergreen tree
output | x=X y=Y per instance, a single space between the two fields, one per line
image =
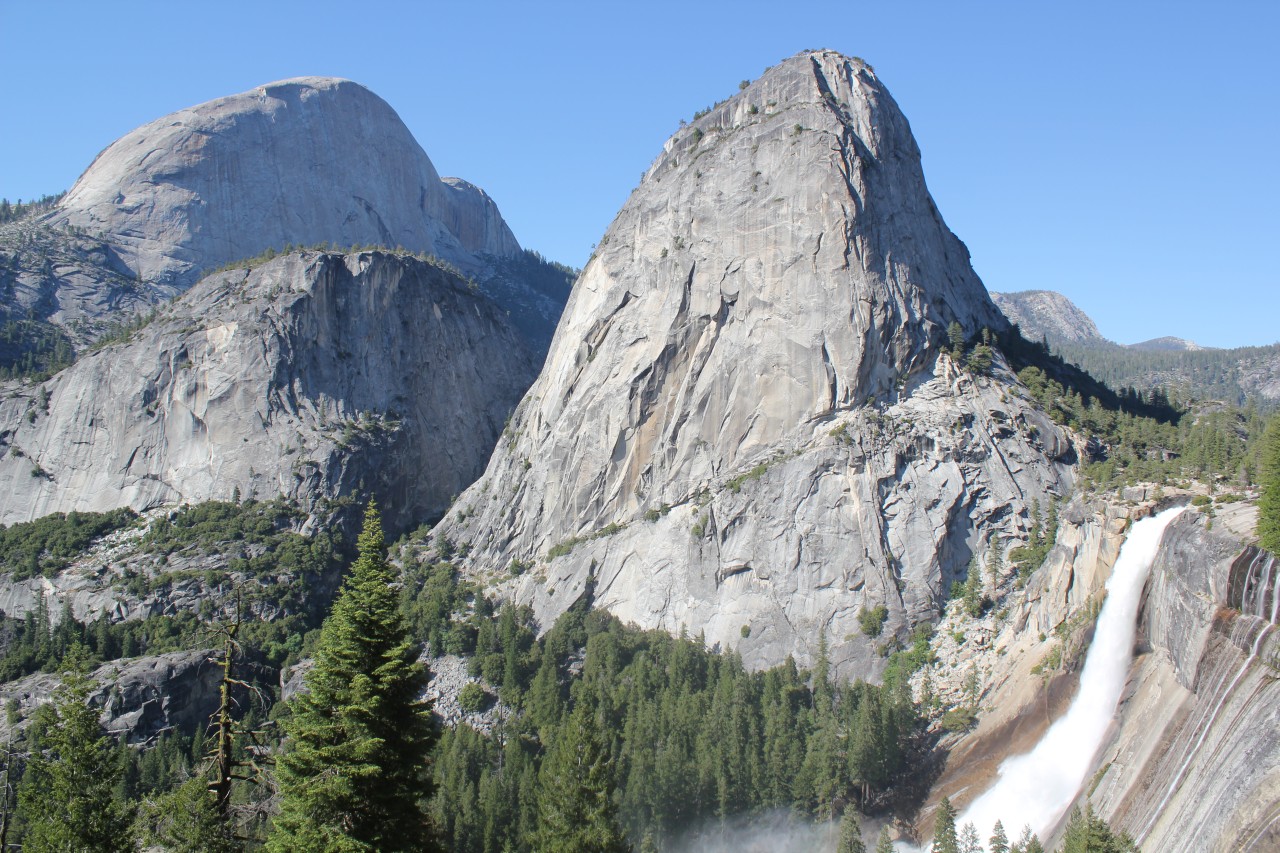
x=186 y=820
x=884 y=844
x=1028 y=842
x=354 y=774
x=850 y=834
x=999 y=841
x=1088 y=832
x=576 y=812
x=1269 y=477
x=944 y=829
x=969 y=840
x=69 y=794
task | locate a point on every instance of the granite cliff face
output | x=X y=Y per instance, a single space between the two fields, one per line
x=1193 y=760
x=312 y=376
x=305 y=162
x=745 y=425
x=313 y=159
x=140 y=699
x=1195 y=764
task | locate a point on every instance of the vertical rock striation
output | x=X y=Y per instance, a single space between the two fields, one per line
x=313 y=376
x=744 y=426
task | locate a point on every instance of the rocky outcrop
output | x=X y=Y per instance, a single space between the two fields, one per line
x=140 y=698
x=303 y=161
x=1014 y=664
x=744 y=426
x=1047 y=315
x=313 y=376
x=1195 y=764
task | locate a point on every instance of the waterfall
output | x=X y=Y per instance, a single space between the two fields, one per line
x=1037 y=787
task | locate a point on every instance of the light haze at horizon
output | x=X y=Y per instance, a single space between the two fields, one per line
x=1121 y=156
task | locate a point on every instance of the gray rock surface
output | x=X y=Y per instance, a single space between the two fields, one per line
x=117 y=578
x=140 y=698
x=1195 y=764
x=309 y=160
x=303 y=162
x=71 y=279
x=1048 y=315
x=312 y=376
x=744 y=426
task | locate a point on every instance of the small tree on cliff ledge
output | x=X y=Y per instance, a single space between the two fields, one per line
x=354 y=775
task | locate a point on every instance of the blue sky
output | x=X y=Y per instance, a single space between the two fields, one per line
x=1124 y=154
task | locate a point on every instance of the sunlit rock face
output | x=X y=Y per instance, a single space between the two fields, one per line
x=745 y=426
x=305 y=161
x=313 y=376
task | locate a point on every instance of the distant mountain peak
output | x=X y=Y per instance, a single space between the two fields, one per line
x=1048 y=315
x=1169 y=343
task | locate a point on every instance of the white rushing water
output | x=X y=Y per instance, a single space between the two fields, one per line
x=1037 y=787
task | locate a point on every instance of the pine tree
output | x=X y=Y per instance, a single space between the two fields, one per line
x=1088 y=832
x=354 y=775
x=186 y=820
x=999 y=842
x=974 y=598
x=1028 y=842
x=970 y=841
x=576 y=812
x=1269 y=477
x=850 y=834
x=69 y=792
x=944 y=829
x=955 y=337
x=884 y=844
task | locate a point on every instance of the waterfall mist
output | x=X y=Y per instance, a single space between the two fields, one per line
x=778 y=831
x=1037 y=787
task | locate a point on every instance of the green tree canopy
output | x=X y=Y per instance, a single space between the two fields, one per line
x=576 y=812
x=186 y=820
x=1269 y=477
x=1087 y=832
x=354 y=775
x=999 y=842
x=944 y=829
x=850 y=834
x=69 y=794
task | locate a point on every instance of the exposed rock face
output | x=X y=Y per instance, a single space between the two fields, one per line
x=1004 y=651
x=308 y=160
x=1045 y=314
x=312 y=376
x=78 y=280
x=140 y=698
x=1196 y=763
x=304 y=162
x=744 y=426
